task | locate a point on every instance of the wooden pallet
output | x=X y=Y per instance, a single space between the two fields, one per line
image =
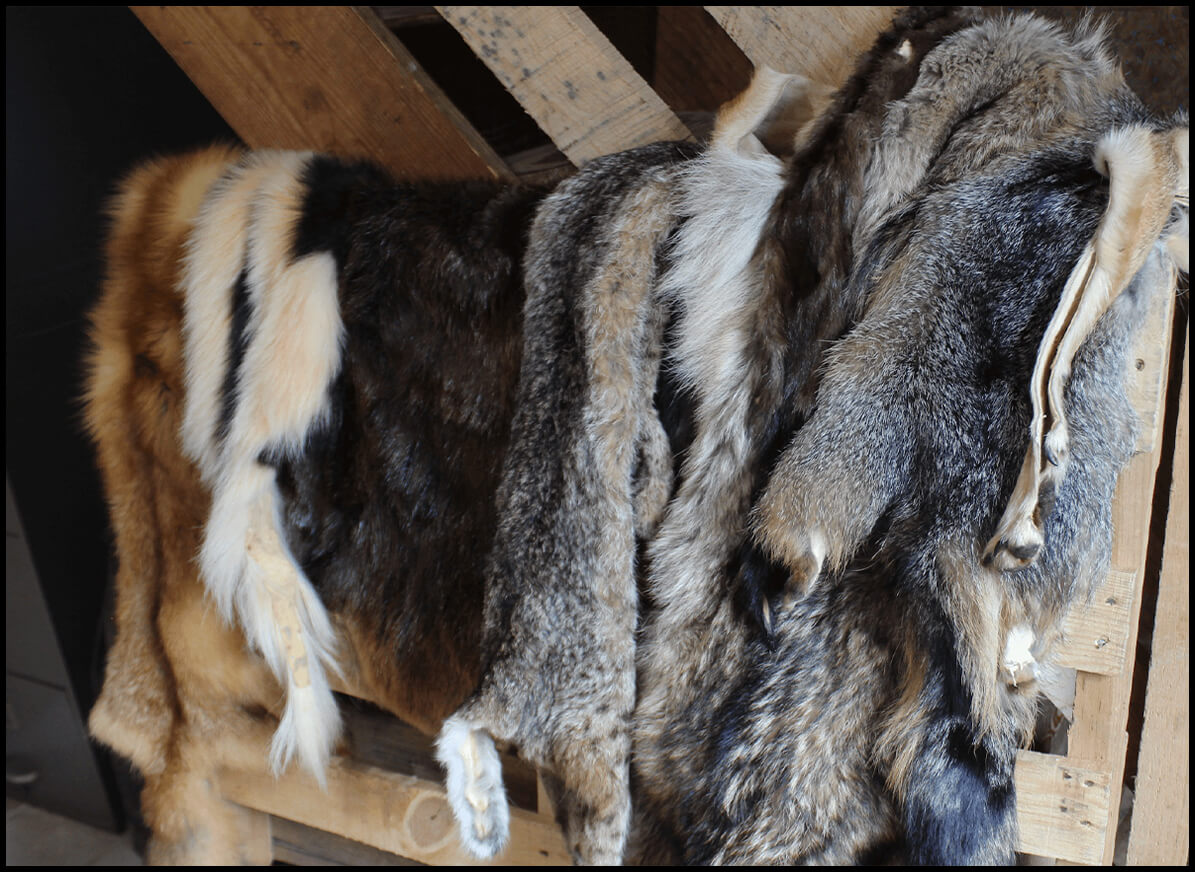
x=336 y=79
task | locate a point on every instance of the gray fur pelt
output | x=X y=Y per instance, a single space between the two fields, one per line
x=850 y=680
x=588 y=470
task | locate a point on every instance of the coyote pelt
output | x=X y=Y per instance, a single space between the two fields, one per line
x=852 y=681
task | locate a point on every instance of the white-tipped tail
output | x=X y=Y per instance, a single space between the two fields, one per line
x=267 y=400
x=285 y=620
x=473 y=775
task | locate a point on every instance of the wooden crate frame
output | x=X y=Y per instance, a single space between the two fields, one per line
x=335 y=79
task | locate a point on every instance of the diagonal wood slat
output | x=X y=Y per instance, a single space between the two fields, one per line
x=327 y=78
x=567 y=76
x=818 y=42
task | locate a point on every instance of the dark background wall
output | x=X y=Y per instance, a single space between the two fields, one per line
x=88 y=93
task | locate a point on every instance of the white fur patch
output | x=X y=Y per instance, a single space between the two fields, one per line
x=473 y=776
x=726 y=197
x=291 y=356
x=1017 y=664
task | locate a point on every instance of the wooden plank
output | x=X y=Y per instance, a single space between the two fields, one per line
x=819 y=42
x=1161 y=828
x=1096 y=634
x=567 y=76
x=326 y=78
x=256 y=837
x=401 y=814
x=297 y=845
x=1061 y=808
x=1098 y=738
x=1150 y=366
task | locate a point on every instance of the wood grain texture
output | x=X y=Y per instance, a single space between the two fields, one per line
x=325 y=78
x=818 y=42
x=568 y=77
x=1096 y=634
x=400 y=814
x=1061 y=808
x=1161 y=828
x=1149 y=366
x=297 y=845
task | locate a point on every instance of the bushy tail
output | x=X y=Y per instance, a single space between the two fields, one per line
x=262 y=340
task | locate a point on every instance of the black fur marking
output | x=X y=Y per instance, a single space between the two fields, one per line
x=335 y=190
x=674 y=404
x=960 y=804
x=242 y=312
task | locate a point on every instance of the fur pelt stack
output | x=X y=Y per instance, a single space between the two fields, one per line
x=741 y=488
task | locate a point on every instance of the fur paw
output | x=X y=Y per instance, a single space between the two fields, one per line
x=805 y=556
x=1056 y=445
x=1017 y=548
x=473 y=776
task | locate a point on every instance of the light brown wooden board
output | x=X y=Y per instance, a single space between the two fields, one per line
x=567 y=76
x=297 y=845
x=1060 y=808
x=821 y=43
x=401 y=814
x=1096 y=634
x=1149 y=366
x=325 y=78
x=1161 y=828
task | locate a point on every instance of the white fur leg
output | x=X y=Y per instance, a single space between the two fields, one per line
x=294 y=334
x=308 y=730
x=473 y=775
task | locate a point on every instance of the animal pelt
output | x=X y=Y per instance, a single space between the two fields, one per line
x=181 y=695
x=589 y=469
x=833 y=672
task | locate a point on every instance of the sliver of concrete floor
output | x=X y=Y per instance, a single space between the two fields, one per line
x=36 y=837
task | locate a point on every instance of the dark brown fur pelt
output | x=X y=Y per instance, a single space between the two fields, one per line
x=839 y=684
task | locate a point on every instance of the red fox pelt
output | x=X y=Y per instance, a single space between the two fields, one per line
x=741 y=487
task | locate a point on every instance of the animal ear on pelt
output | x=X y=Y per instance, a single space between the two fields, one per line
x=771 y=114
x=1147 y=172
